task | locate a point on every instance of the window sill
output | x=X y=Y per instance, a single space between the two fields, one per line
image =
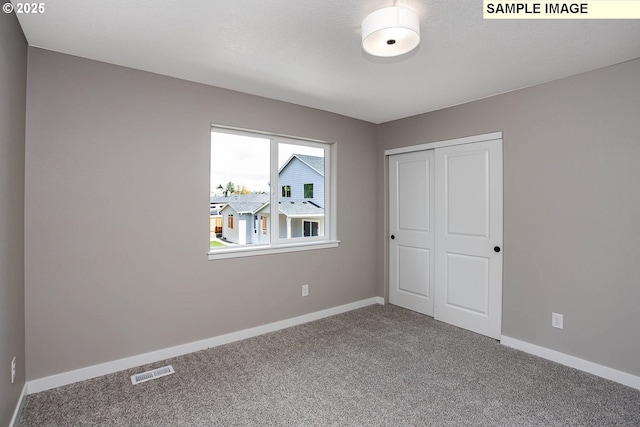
x=273 y=249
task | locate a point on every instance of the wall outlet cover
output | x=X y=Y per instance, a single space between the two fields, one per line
x=557 y=320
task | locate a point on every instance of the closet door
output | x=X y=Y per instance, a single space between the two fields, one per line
x=468 y=236
x=411 y=221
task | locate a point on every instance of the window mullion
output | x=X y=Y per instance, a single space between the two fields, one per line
x=275 y=188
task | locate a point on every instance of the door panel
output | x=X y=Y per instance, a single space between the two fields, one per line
x=467 y=283
x=468 y=226
x=411 y=218
x=413 y=195
x=467 y=195
x=413 y=272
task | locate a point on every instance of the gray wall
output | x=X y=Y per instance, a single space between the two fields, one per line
x=117 y=213
x=571 y=207
x=13 y=80
x=117 y=216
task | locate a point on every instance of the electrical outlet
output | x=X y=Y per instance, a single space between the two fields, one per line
x=13 y=370
x=557 y=320
x=305 y=290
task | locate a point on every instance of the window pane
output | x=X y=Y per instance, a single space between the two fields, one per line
x=239 y=192
x=308 y=191
x=302 y=171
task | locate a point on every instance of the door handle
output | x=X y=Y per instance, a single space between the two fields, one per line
x=496 y=249
x=393 y=237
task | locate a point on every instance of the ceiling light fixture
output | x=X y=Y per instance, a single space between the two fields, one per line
x=390 y=31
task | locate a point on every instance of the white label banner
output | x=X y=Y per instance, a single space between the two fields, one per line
x=588 y=9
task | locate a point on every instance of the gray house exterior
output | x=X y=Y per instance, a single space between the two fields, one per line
x=246 y=218
x=238 y=217
x=300 y=172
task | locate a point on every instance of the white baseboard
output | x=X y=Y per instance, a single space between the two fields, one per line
x=573 y=362
x=65 y=378
x=18 y=410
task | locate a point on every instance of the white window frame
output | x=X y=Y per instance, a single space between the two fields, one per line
x=295 y=244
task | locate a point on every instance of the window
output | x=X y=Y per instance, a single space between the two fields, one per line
x=245 y=167
x=308 y=191
x=310 y=228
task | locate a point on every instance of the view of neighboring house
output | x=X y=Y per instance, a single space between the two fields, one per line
x=245 y=218
x=238 y=216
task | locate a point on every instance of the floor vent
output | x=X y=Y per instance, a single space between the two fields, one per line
x=152 y=375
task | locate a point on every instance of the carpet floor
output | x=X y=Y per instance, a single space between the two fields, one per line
x=376 y=366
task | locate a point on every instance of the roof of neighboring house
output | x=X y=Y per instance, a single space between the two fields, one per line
x=299 y=209
x=254 y=203
x=314 y=162
x=244 y=203
x=243 y=207
x=253 y=197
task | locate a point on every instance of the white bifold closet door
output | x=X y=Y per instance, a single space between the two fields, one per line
x=445 y=218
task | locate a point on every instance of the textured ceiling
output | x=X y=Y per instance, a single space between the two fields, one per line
x=308 y=51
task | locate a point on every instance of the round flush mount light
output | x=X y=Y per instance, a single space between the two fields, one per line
x=390 y=31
